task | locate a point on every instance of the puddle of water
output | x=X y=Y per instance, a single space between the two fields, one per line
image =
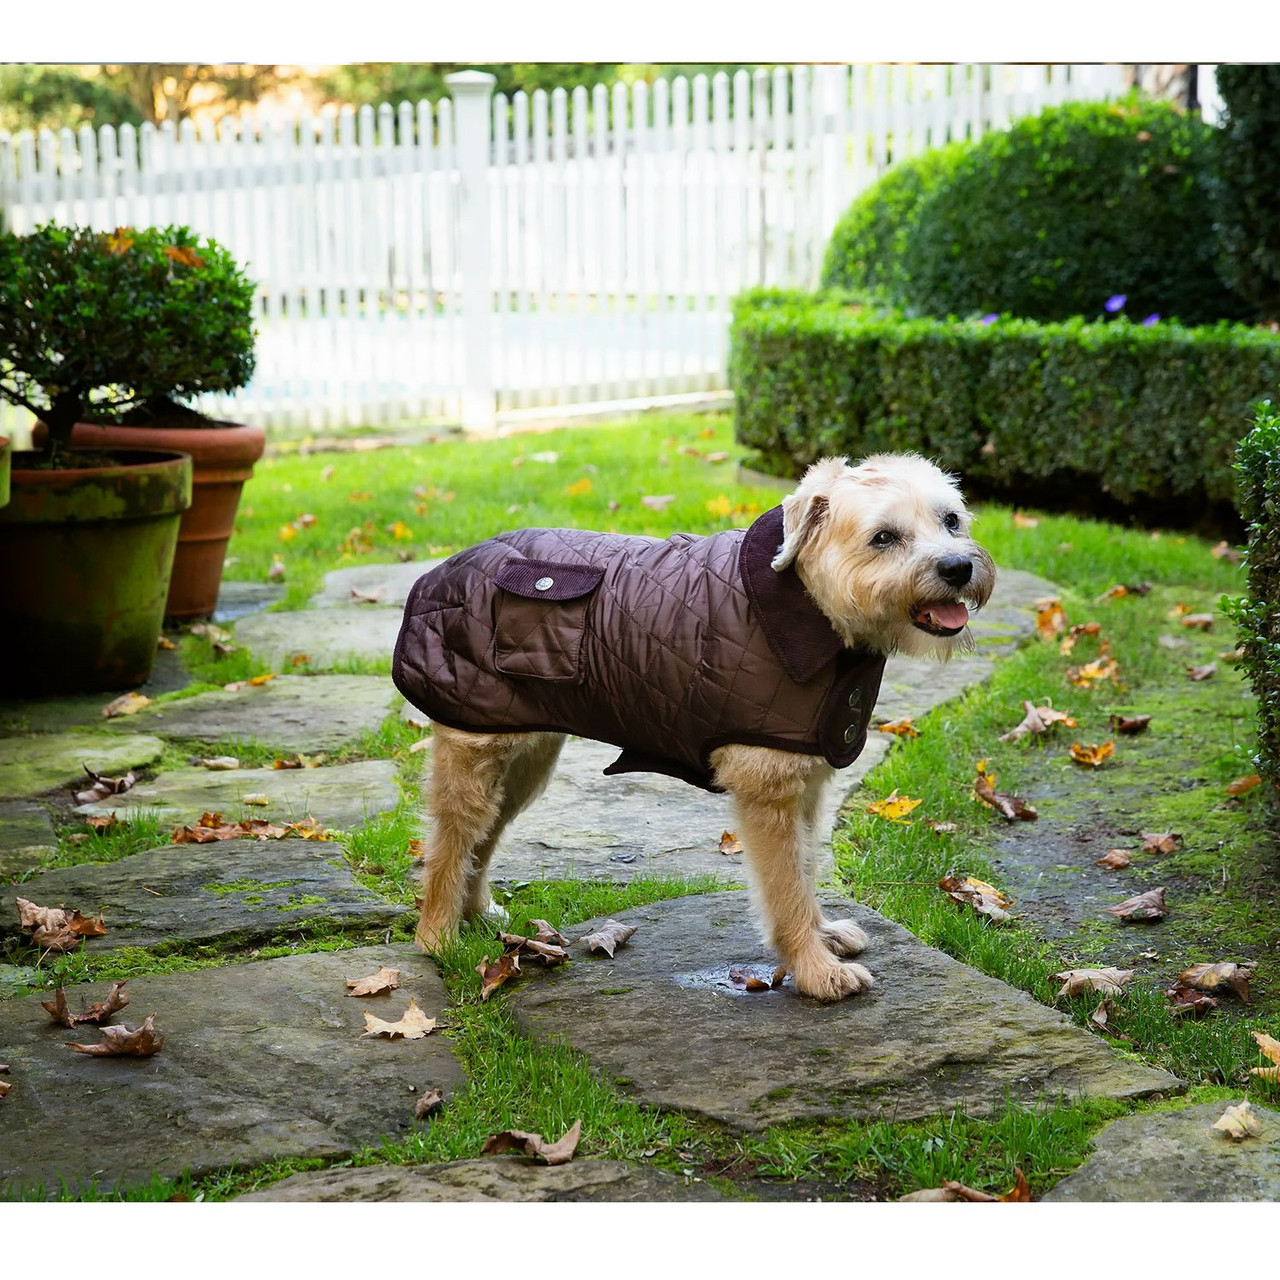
x=718 y=979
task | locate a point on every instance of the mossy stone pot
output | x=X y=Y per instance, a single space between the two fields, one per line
x=223 y=454
x=87 y=554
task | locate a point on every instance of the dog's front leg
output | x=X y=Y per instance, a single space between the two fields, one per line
x=774 y=796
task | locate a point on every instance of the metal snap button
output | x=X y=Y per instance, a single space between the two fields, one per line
x=850 y=733
x=544 y=584
x=855 y=700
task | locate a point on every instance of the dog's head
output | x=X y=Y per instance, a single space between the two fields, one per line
x=884 y=550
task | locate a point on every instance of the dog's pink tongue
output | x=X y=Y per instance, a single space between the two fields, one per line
x=949 y=614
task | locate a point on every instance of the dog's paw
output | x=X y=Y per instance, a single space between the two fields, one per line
x=429 y=939
x=842 y=937
x=827 y=979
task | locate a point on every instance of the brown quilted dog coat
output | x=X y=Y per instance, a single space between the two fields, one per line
x=667 y=649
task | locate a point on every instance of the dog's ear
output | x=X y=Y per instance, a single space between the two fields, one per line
x=802 y=517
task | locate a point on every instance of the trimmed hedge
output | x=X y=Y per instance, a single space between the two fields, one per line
x=1257 y=615
x=865 y=249
x=1066 y=209
x=1139 y=413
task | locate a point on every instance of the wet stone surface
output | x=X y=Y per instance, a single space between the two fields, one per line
x=33 y=764
x=260 y=1061
x=327 y=637
x=932 y=1034
x=1178 y=1155
x=233 y=891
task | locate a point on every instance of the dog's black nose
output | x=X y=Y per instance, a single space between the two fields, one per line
x=955 y=570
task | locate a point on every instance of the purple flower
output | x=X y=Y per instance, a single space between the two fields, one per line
x=1115 y=302
x=1151 y=320
x=990 y=318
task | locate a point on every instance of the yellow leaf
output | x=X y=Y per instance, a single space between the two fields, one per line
x=1239 y=1122
x=287 y=533
x=893 y=808
x=1091 y=754
x=1050 y=619
x=120 y=241
x=125 y=705
x=902 y=728
x=1241 y=785
x=720 y=506
x=579 y=487
x=400 y=531
x=185 y=257
x=413 y=1024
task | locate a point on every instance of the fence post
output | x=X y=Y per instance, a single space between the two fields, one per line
x=472 y=92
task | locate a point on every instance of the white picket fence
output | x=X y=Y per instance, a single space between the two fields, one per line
x=480 y=260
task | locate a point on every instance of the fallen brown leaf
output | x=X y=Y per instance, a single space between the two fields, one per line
x=492 y=976
x=1037 y=720
x=221 y=763
x=103 y=824
x=116 y=1000
x=548 y=953
x=1161 y=841
x=1198 y=621
x=1091 y=754
x=1225 y=551
x=747 y=980
x=1241 y=785
x=103 y=787
x=729 y=843
x=1202 y=673
x=86 y=926
x=1213 y=977
x=1270 y=1048
x=549 y=933
x=901 y=728
x=125 y=1041
x=1107 y=982
x=50 y=927
x=413 y=1024
x=985 y=899
x=368 y=597
x=1186 y=1002
x=1103 y=667
x=375 y=984
x=1051 y=621
x=611 y=935
x=127 y=704
x=5 y=1086
x=1129 y=724
x=942 y=828
x=1021 y=521
x=657 y=501
x=534 y=1144
x=1238 y=1122
x=1011 y=808
x=431 y=1103
x=1020 y=1192
x=1142 y=906
x=1113 y=859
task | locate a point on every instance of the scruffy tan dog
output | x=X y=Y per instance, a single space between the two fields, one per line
x=745 y=662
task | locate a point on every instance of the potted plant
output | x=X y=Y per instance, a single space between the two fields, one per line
x=91 y=325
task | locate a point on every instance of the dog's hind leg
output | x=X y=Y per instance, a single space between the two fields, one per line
x=842 y=936
x=467 y=798
x=528 y=771
x=770 y=791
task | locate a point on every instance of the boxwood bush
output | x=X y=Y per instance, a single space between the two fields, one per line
x=1064 y=210
x=865 y=250
x=1258 y=614
x=1141 y=414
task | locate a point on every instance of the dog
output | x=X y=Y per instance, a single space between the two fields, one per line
x=536 y=634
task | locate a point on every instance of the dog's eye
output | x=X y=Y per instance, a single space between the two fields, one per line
x=885 y=538
x=951 y=522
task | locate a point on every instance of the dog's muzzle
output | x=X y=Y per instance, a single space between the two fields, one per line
x=945 y=617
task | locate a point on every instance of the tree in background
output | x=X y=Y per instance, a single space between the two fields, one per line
x=168 y=90
x=1248 y=187
x=358 y=83
x=33 y=96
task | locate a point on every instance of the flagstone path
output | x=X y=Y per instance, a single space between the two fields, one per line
x=264 y=1057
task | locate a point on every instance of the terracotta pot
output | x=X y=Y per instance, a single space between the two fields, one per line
x=6 y=460
x=223 y=454
x=87 y=554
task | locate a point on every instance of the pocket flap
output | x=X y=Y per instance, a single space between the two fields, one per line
x=545 y=580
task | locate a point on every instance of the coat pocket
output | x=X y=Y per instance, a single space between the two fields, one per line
x=540 y=613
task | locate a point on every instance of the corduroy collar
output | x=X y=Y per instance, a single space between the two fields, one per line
x=797 y=630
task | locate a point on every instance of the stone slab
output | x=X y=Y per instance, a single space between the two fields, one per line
x=36 y=763
x=393 y=580
x=1177 y=1155
x=26 y=837
x=238 y=599
x=932 y=1035
x=240 y=891
x=294 y=713
x=340 y=796
x=329 y=637
x=499 y=1179
x=260 y=1061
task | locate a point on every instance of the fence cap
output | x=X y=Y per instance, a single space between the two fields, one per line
x=473 y=81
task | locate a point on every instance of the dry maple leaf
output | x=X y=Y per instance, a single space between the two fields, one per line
x=548 y=953
x=1101 y=1016
x=1213 y=977
x=1142 y=906
x=1198 y=621
x=368 y=597
x=901 y=728
x=549 y=933
x=49 y=926
x=1107 y=982
x=893 y=808
x=116 y=1000
x=729 y=842
x=609 y=936
x=1021 y=521
x=1238 y=1123
x=100 y=824
x=1037 y=720
x=1020 y=1192
x=431 y=1103
x=1270 y=1048
x=1241 y=785
x=1161 y=841
x=1011 y=808
x=413 y=1024
x=183 y=256
x=1051 y=621
x=103 y=787
x=985 y=899
x=1225 y=551
x=534 y=1144
x=492 y=976
x=748 y=981
x=1186 y=1002
x=1094 y=755
x=1113 y=859
x=126 y=704
x=1129 y=724
x=1202 y=673
x=5 y=1086
x=1103 y=667
x=125 y=1041
x=375 y=984
x=86 y=926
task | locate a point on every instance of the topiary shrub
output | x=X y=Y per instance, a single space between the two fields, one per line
x=865 y=250
x=1249 y=183
x=95 y=323
x=1257 y=615
x=1080 y=204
